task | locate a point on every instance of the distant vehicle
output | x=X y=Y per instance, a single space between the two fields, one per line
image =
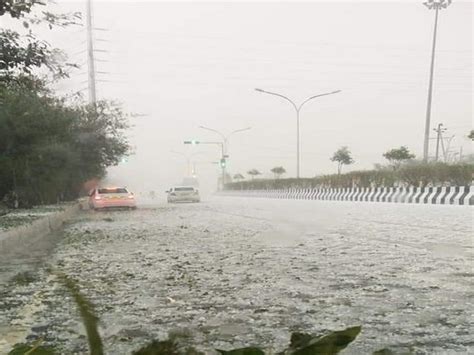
x=183 y=194
x=111 y=197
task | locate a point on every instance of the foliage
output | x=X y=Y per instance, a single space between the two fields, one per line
x=333 y=343
x=33 y=349
x=300 y=344
x=89 y=319
x=471 y=134
x=17 y=9
x=397 y=155
x=253 y=173
x=23 y=9
x=414 y=174
x=21 y=54
x=239 y=177
x=48 y=149
x=343 y=157
x=243 y=351
x=278 y=171
x=168 y=347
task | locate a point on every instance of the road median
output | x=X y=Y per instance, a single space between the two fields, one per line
x=21 y=229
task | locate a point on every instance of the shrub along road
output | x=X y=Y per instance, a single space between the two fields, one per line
x=231 y=272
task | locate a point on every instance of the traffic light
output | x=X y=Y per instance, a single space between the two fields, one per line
x=223 y=163
x=193 y=142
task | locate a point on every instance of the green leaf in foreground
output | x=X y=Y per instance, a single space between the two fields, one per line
x=242 y=351
x=333 y=343
x=383 y=352
x=158 y=348
x=86 y=311
x=24 y=349
x=166 y=347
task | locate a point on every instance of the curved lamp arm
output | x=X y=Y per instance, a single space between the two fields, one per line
x=275 y=94
x=237 y=131
x=213 y=130
x=315 y=96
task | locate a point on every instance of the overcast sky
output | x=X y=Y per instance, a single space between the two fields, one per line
x=185 y=64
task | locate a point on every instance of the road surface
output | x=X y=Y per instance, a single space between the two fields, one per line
x=233 y=272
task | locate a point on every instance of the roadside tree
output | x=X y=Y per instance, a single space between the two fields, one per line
x=253 y=173
x=397 y=156
x=239 y=177
x=278 y=171
x=48 y=148
x=343 y=157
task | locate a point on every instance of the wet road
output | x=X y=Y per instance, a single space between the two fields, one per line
x=232 y=272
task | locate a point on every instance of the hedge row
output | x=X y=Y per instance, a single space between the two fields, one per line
x=417 y=175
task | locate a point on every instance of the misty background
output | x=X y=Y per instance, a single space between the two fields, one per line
x=179 y=65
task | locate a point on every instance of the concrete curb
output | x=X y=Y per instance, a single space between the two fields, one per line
x=22 y=236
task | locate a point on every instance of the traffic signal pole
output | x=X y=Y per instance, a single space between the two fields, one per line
x=223 y=156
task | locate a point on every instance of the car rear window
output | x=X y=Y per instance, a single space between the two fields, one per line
x=119 y=190
x=184 y=188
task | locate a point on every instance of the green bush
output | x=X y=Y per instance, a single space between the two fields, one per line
x=48 y=149
x=411 y=174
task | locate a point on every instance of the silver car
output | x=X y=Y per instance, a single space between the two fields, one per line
x=183 y=194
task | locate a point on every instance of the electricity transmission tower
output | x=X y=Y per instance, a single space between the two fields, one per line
x=439 y=138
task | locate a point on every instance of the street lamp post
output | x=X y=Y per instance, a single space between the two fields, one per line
x=436 y=5
x=225 y=138
x=297 y=109
x=225 y=146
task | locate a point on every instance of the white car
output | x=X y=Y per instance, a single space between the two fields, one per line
x=183 y=194
x=111 y=197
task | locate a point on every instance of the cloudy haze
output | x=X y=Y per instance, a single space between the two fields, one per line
x=181 y=65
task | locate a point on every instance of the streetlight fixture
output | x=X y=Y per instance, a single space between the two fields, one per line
x=225 y=145
x=436 y=5
x=225 y=138
x=297 y=109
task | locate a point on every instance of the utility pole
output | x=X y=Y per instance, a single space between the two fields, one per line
x=90 y=56
x=436 y=5
x=439 y=138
